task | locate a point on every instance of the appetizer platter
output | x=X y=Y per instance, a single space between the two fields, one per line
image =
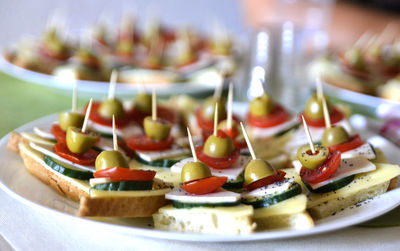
x=146 y=168
x=168 y=58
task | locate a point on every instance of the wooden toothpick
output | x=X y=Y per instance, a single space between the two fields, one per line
x=246 y=137
x=113 y=84
x=218 y=89
x=115 y=139
x=230 y=102
x=85 y=122
x=215 y=119
x=74 y=96
x=154 y=105
x=262 y=86
x=308 y=135
x=320 y=92
x=191 y=145
x=326 y=114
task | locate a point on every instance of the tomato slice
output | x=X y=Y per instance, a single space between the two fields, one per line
x=354 y=142
x=277 y=116
x=280 y=175
x=86 y=159
x=97 y=118
x=143 y=143
x=335 y=116
x=162 y=112
x=58 y=133
x=217 y=163
x=324 y=172
x=121 y=174
x=204 y=186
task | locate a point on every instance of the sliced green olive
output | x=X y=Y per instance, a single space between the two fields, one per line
x=156 y=129
x=355 y=58
x=223 y=125
x=218 y=147
x=143 y=103
x=334 y=136
x=208 y=108
x=108 y=159
x=312 y=161
x=79 y=142
x=110 y=107
x=256 y=170
x=261 y=106
x=314 y=109
x=67 y=119
x=194 y=171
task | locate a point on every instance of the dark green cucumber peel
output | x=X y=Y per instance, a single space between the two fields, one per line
x=160 y=162
x=183 y=205
x=234 y=184
x=124 y=186
x=67 y=171
x=293 y=190
x=333 y=186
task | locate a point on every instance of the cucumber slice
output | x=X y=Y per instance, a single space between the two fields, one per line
x=161 y=162
x=234 y=184
x=293 y=190
x=182 y=205
x=331 y=186
x=124 y=186
x=68 y=170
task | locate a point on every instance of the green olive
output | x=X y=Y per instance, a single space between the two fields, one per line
x=124 y=47
x=355 y=58
x=108 y=159
x=143 y=103
x=194 y=171
x=256 y=170
x=110 y=107
x=79 y=142
x=261 y=105
x=314 y=109
x=156 y=129
x=218 y=147
x=334 y=136
x=67 y=119
x=208 y=108
x=312 y=161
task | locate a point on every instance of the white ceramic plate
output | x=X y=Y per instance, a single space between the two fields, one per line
x=99 y=89
x=18 y=183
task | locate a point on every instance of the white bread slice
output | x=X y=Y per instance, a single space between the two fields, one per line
x=218 y=220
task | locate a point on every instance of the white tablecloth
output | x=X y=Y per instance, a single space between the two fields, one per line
x=25 y=228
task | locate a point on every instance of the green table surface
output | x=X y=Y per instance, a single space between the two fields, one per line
x=22 y=102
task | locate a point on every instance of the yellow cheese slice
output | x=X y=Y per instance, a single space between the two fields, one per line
x=163 y=173
x=146 y=193
x=383 y=173
x=238 y=210
x=296 y=204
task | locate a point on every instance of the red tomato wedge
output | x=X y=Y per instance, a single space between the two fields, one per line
x=97 y=118
x=217 y=163
x=323 y=172
x=206 y=124
x=280 y=175
x=58 y=133
x=143 y=143
x=277 y=116
x=86 y=159
x=335 y=115
x=121 y=174
x=354 y=142
x=162 y=112
x=204 y=186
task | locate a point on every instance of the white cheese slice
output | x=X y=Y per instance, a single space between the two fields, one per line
x=347 y=167
x=175 y=151
x=48 y=150
x=272 y=131
x=44 y=133
x=365 y=151
x=270 y=190
x=231 y=173
x=125 y=132
x=300 y=138
x=220 y=196
x=184 y=141
x=97 y=181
